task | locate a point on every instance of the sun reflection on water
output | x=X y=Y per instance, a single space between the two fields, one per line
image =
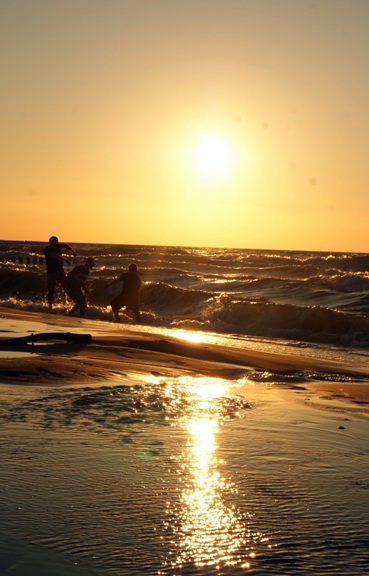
x=209 y=532
x=195 y=337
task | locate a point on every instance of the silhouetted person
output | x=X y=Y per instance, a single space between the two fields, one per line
x=76 y=285
x=54 y=266
x=130 y=292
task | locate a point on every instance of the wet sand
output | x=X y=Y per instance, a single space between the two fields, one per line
x=122 y=349
x=142 y=453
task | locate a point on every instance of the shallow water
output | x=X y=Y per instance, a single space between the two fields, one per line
x=181 y=476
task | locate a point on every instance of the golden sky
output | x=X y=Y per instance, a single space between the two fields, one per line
x=229 y=123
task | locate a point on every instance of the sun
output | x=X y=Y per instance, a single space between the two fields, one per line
x=212 y=156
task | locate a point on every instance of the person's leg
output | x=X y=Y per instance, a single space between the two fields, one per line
x=50 y=290
x=52 y=279
x=133 y=307
x=62 y=279
x=82 y=305
x=75 y=293
x=74 y=309
x=115 y=310
x=116 y=305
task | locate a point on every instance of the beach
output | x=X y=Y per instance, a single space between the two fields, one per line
x=184 y=288
x=148 y=452
x=125 y=348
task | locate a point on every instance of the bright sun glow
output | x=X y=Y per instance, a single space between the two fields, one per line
x=212 y=156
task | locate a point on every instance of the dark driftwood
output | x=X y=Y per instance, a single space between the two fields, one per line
x=67 y=336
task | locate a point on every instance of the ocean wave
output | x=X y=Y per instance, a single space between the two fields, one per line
x=350 y=283
x=299 y=296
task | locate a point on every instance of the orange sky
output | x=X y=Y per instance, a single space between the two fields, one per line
x=104 y=104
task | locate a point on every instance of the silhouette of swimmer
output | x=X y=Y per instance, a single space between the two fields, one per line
x=130 y=292
x=54 y=266
x=76 y=285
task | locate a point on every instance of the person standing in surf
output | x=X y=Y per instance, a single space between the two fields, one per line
x=129 y=297
x=76 y=286
x=54 y=266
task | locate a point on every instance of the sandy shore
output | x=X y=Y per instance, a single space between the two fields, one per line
x=117 y=350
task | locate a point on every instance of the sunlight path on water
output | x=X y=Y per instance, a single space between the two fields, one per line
x=207 y=531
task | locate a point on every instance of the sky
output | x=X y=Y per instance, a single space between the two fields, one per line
x=225 y=123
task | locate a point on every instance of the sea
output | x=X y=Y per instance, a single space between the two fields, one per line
x=177 y=476
x=294 y=296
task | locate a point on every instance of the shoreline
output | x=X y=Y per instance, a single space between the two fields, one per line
x=118 y=351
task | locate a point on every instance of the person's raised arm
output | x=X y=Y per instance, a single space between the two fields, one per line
x=70 y=249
